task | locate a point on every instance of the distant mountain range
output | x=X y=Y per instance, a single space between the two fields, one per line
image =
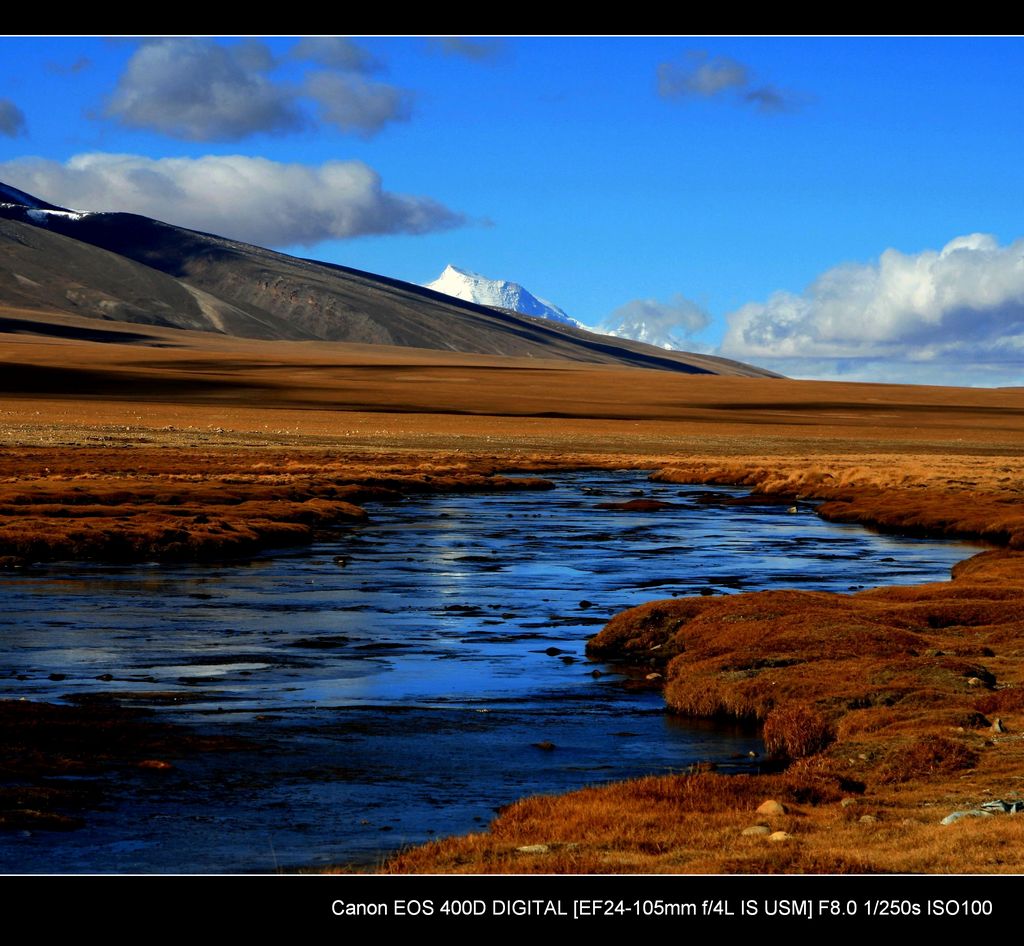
x=129 y=268
x=501 y=294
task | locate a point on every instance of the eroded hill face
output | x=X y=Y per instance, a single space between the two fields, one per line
x=128 y=268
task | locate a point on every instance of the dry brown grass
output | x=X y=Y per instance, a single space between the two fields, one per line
x=795 y=731
x=148 y=505
x=980 y=498
x=694 y=824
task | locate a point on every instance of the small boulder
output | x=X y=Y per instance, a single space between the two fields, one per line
x=779 y=836
x=756 y=829
x=955 y=816
x=771 y=807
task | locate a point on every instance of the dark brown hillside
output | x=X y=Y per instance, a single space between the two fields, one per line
x=131 y=268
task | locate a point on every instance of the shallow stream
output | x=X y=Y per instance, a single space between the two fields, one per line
x=395 y=681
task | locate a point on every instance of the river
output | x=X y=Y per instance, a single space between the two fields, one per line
x=411 y=675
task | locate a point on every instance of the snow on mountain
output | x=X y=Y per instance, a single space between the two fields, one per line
x=473 y=287
x=463 y=284
x=642 y=332
x=42 y=216
x=38 y=210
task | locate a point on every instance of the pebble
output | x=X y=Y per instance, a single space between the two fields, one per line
x=653 y=676
x=867 y=819
x=779 y=836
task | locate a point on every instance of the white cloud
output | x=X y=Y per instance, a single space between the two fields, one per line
x=665 y=324
x=953 y=316
x=335 y=52
x=251 y=199
x=198 y=90
x=354 y=104
x=699 y=76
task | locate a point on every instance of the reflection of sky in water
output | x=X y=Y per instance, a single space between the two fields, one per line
x=455 y=597
x=421 y=660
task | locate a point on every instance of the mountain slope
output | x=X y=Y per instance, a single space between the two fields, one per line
x=216 y=284
x=42 y=269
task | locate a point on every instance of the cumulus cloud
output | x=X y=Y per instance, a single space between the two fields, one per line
x=357 y=105
x=699 y=76
x=198 y=90
x=12 y=119
x=480 y=50
x=335 y=52
x=955 y=315
x=250 y=199
x=665 y=324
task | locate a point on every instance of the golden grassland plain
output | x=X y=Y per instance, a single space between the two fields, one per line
x=892 y=707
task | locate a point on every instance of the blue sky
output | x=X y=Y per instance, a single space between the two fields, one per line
x=800 y=192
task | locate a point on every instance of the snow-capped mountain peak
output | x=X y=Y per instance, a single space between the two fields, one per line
x=472 y=287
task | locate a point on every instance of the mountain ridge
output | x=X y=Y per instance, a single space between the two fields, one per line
x=129 y=268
